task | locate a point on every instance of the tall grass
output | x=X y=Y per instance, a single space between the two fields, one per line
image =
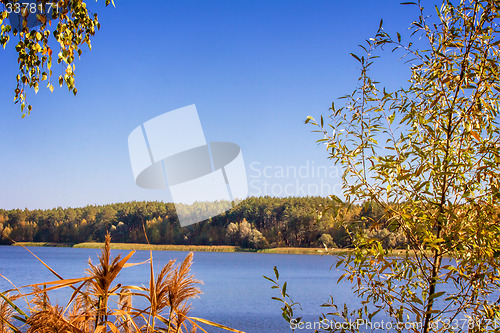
x=97 y=304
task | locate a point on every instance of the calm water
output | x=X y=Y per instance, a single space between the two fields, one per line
x=234 y=292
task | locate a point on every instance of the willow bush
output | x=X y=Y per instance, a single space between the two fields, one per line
x=429 y=154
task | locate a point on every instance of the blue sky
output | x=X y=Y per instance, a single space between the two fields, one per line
x=255 y=70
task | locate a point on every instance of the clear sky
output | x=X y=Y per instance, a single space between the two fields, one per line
x=254 y=68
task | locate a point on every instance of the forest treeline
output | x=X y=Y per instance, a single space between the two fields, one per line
x=257 y=222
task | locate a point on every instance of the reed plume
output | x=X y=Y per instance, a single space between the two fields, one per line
x=89 y=310
x=125 y=319
x=82 y=313
x=171 y=289
x=46 y=318
x=102 y=278
x=181 y=287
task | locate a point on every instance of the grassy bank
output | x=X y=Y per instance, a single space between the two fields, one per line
x=302 y=250
x=132 y=246
x=203 y=248
x=200 y=248
x=43 y=244
x=194 y=248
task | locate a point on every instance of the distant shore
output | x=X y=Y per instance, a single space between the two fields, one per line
x=194 y=248
x=205 y=248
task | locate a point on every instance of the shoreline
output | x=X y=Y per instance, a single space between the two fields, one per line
x=205 y=248
x=193 y=248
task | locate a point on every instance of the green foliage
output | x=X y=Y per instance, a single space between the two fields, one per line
x=428 y=155
x=289 y=306
x=256 y=223
x=71 y=25
x=266 y=219
x=264 y=222
x=327 y=241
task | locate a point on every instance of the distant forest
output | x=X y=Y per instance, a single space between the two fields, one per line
x=257 y=222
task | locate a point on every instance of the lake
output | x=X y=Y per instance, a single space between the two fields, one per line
x=234 y=292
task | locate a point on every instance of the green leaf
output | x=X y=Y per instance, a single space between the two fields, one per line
x=391 y=118
x=355 y=57
x=309 y=118
x=267 y=278
x=436 y=295
x=15 y=307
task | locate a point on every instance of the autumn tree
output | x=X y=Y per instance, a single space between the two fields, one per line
x=429 y=154
x=30 y=24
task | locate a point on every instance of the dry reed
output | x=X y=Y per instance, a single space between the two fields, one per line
x=90 y=310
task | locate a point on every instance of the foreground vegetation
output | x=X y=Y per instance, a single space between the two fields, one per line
x=97 y=304
x=428 y=154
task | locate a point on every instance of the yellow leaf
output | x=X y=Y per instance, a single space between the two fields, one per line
x=475 y=135
x=41 y=18
x=112 y=327
x=100 y=329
